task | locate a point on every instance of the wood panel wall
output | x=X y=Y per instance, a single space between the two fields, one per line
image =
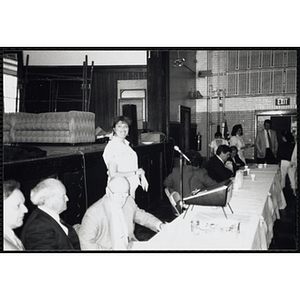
x=158 y=91
x=39 y=93
x=104 y=91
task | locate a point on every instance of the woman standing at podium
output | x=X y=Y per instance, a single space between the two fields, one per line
x=120 y=159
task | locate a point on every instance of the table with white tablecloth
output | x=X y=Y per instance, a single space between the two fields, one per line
x=250 y=227
x=262 y=197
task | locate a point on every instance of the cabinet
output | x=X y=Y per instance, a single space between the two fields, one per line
x=68 y=169
x=151 y=160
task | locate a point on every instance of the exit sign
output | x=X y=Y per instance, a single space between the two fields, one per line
x=282 y=101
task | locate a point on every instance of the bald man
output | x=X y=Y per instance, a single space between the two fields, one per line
x=44 y=229
x=109 y=223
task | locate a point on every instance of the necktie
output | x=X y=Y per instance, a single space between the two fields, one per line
x=269 y=138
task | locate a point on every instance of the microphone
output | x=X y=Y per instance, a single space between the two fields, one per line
x=176 y=148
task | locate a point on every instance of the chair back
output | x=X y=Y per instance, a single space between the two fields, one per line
x=175 y=200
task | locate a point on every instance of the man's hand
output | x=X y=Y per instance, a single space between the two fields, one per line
x=229 y=165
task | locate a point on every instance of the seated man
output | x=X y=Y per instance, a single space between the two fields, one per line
x=44 y=230
x=109 y=223
x=235 y=159
x=218 y=168
x=194 y=176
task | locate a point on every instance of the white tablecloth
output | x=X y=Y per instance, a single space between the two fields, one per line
x=255 y=207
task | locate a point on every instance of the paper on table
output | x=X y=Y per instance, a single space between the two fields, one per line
x=224 y=225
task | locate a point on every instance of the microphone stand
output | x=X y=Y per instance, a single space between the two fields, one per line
x=181 y=157
x=181 y=180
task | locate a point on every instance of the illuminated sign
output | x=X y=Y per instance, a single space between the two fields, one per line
x=282 y=101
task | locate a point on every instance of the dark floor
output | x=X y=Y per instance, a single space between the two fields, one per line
x=285 y=229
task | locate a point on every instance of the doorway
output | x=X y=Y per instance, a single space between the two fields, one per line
x=133 y=92
x=280 y=124
x=281 y=120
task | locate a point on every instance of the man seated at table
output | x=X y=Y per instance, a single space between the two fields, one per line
x=109 y=223
x=218 y=167
x=235 y=159
x=44 y=230
x=194 y=176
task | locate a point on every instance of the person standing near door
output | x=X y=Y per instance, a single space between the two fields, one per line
x=266 y=144
x=285 y=151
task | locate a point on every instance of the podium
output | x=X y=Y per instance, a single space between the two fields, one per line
x=217 y=195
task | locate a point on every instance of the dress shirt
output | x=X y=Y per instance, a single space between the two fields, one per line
x=120 y=229
x=220 y=159
x=267 y=138
x=55 y=216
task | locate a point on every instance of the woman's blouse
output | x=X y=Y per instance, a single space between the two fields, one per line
x=124 y=157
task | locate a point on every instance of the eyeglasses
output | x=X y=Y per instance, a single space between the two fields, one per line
x=123 y=194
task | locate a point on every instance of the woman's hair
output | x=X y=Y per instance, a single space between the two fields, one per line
x=9 y=187
x=195 y=158
x=218 y=134
x=122 y=119
x=288 y=135
x=235 y=128
x=44 y=190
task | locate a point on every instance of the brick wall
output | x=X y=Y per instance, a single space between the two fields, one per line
x=245 y=116
x=238 y=110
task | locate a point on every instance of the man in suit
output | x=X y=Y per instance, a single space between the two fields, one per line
x=44 y=230
x=194 y=176
x=218 y=168
x=266 y=144
x=109 y=223
x=235 y=159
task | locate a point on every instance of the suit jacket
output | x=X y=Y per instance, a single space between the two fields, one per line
x=42 y=232
x=260 y=143
x=193 y=178
x=96 y=229
x=217 y=171
x=237 y=163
